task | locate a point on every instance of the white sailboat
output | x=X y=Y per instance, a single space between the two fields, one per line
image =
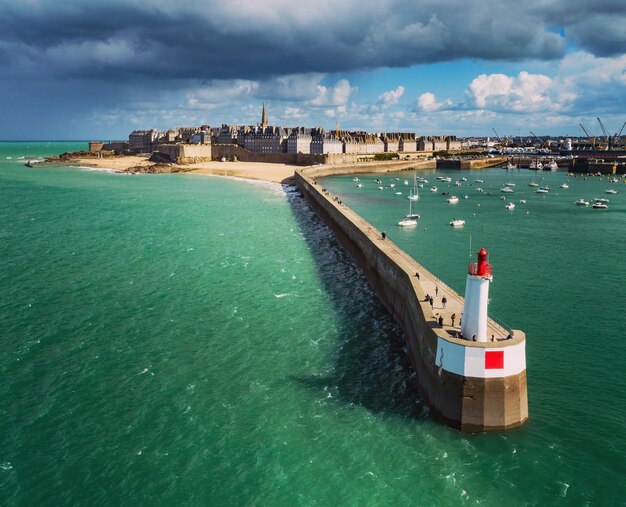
x=410 y=219
x=414 y=195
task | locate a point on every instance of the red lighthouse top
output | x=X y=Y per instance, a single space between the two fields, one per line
x=482 y=267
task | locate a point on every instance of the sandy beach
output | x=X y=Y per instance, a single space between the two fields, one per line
x=249 y=170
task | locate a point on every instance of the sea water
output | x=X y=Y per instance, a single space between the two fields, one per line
x=186 y=339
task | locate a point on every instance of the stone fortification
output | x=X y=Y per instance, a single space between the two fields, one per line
x=452 y=374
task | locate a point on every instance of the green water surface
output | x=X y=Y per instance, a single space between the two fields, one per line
x=181 y=339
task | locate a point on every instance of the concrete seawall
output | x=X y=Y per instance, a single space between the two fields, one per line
x=450 y=376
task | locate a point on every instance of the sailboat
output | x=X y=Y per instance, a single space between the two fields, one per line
x=410 y=219
x=414 y=195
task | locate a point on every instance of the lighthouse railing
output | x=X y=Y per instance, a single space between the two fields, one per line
x=472 y=269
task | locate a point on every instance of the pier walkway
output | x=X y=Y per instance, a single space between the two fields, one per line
x=426 y=284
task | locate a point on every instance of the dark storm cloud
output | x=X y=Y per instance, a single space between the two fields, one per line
x=598 y=27
x=252 y=40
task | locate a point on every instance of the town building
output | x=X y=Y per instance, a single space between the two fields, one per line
x=299 y=140
x=362 y=143
x=407 y=142
x=325 y=143
x=266 y=140
x=142 y=141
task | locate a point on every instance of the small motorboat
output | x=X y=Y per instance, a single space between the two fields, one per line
x=581 y=202
x=602 y=199
x=503 y=197
x=613 y=180
x=599 y=205
x=453 y=199
x=457 y=223
x=466 y=196
x=446 y=180
x=552 y=166
x=433 y=189
x=478 y=181
x=510 y=205
x=542 y=190
x=380 y=188
x=405 y=182
x=509 y=184
x=522 y=201
x=398 y=193
x=463 y=179
x=457 y=183
x=355 y=179
x=564 y=185
x=533 y=184
x=610 y=191
x=507 y=190
x=478 y=189
x=392 y=185
x=360 y=185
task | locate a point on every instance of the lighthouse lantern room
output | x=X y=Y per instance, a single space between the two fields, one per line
x=479 y=276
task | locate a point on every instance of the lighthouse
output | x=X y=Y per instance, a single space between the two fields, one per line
x=479 y=276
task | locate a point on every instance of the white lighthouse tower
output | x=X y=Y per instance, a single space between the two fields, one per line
x=479 y=276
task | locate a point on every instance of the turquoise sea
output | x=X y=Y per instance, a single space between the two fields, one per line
x=195 y=340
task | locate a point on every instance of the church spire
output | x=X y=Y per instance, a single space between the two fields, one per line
x=264 y=117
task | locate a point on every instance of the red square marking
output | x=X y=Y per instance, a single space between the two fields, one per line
x=494 y=359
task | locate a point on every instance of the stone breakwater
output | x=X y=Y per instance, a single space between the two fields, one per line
x=455 y=377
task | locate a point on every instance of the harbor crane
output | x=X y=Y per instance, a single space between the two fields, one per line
x=617 y=137
x=591 y=139
x=541 y=143
x=606 y=134
x=497 y=135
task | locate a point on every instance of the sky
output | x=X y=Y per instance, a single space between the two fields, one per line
x=89 y=69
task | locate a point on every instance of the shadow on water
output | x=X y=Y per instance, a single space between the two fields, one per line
x=371 y=367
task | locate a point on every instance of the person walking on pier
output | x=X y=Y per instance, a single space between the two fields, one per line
x=443 y=302
x=431 y=302
x=452 y=317
x=436 y=291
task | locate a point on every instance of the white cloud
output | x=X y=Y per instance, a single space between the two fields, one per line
x=524 y=93
x=336 y=96
x=427 y=102
x=391 y=97
x=294 y=113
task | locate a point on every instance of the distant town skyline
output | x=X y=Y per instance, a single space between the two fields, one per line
x=81 y=70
